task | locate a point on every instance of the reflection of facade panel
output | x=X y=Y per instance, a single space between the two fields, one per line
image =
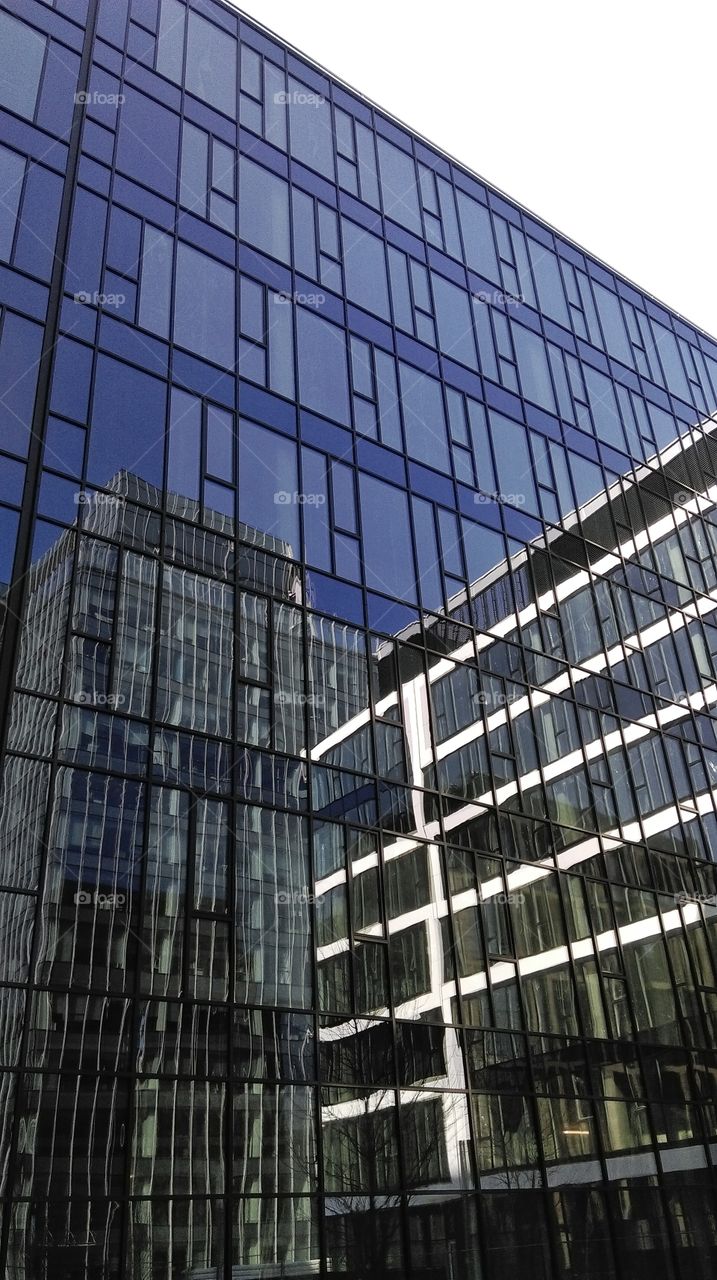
x=358 y=643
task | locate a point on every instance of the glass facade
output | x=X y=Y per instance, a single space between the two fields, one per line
x=358 y=656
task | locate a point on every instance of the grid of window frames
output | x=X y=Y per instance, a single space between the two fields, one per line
x=359 y=665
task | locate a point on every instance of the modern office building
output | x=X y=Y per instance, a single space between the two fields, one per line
x=358 y=669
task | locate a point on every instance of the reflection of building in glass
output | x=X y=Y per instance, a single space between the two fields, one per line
x=357 y=749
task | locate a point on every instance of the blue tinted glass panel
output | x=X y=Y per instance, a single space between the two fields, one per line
x=587 y=477
x=274 y=106
x=268 y=485
x=148 y=143
x=281 y=347
x=533 y=367
x=35 y=248
x=220 y=443
x=449 y=218
x=388 y=555
x=483 y=547
x=453 y=315
x=12 y=171
x=84 y=261
x=64 y=447
x=264 y=217
x=477 y=237
x=170 y=47
x=613 y=325
x=185 y=444
x=20 y=346
x=513 y=463
x=310 y=128
x=400 y=291
x=365 y=267
x=368 y=177
x=250 y=72
x=671 y=362
x=323 y=382
x=398 y=185
x=387 y=393
x=211 y=64
x=193 y=174
x=481 y=446
x=423 y=418
x=22 y=51
x=217 y=497
x=486 y=349
x=548 y=282
x=344 y=501
x=156 y=281
x=348 y=557
x=204 y=306
x=429 y=573
x=223 y=161
x=12 y=479
x=304 y=233
x=314 y=501
x=127 y=429
x=71 y=379
x=222 y=212
x=606 y=415
x=361 y=372
x=8 y=536
x=123 y=247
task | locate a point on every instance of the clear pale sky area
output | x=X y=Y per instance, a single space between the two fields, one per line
x=600 y=118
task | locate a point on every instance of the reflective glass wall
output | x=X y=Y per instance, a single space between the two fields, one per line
x=358 y=578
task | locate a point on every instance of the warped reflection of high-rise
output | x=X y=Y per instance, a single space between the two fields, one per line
x=358 y=544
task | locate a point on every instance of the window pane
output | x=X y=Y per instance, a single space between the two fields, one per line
x=398 y=186
x=310 y=128
x=477 y=237
x=268 y=484
x=387 y=540
x=185 y=444
x=323 y=378
x=222 y=168
x=423 y=417
x=193 y=177
x=204 y=306
x=127 y=431
x=455 y=328
x=264 y=218
x=12 y=170
x=171 y=39
x=211 y=64
x=22 y=51
x=220 y=443
x=156 y=282
x=365 y=266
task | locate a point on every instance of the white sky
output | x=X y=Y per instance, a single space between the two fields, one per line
x=599 y=117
